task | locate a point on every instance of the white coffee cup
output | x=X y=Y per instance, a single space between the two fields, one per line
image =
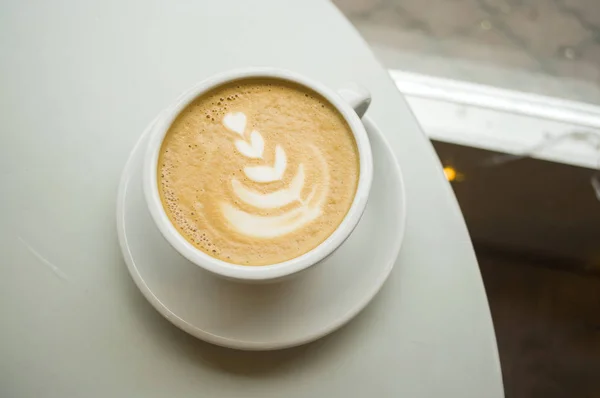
x=351 y=101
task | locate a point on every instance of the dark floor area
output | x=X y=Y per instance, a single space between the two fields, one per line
x=547 y=325
x=536 y=230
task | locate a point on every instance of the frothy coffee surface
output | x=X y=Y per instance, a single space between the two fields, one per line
x=258 y=172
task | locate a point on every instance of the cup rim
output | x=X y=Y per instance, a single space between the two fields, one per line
x=271 y=271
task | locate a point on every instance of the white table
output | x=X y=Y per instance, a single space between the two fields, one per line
x=79 y=81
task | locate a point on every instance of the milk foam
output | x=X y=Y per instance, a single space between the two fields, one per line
x=260 y=226
x=258 y=172
x=254 y=149
x=271 y=200
x=269 y=173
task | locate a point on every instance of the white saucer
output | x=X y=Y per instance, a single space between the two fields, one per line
x=265 y=316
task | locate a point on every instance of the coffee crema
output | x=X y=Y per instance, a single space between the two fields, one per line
x=258 y=171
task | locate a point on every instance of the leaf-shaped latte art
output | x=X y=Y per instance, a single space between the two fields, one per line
x=269 y=173
x=235 y=122
x=275 y=199
x=267 y=226
x=254 y=149
x=257 y=142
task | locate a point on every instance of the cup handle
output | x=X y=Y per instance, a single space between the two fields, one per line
x=358 y=97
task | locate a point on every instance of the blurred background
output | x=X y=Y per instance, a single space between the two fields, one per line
x=509 y=93
x=549 y=47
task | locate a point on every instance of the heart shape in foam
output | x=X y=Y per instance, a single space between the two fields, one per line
x=254 y=149
x=235 y=121
x=269 y=173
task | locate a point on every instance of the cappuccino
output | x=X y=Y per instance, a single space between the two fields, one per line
x=257 y=172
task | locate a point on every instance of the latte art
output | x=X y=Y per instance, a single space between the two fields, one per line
x=261 y=226
x=258 y=171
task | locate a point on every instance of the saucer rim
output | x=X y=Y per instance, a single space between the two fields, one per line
x=182 y=324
